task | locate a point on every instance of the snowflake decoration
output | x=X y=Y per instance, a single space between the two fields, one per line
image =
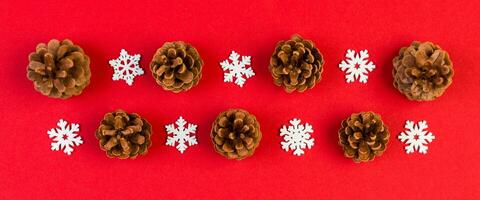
x=296 y=137
x=236 y=69
x=126 y=67
x=65 y=137
x=356 y=66
x=181 y=135
x=416 y=137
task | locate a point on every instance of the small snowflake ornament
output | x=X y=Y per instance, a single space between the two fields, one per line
x=356 y=66
x=416 y=137
x=297 y=137
x=126 y=67
x=65 y=137
x=182 y=135
x=237 y=69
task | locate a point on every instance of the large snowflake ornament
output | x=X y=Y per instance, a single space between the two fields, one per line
x=65 y=137
x=356 y=66
x=237 y=69
x=416 y=137
x=182 y=135
x=297 y=137
x=126 y=67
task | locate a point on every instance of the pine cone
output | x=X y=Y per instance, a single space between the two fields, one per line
x=296 y=64
x=422 y=71
x=235 y=134
x=124 y=135
x=363 y=136
x=59 y=69
x=176 y=66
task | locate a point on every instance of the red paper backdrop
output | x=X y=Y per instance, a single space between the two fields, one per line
x=30 y=170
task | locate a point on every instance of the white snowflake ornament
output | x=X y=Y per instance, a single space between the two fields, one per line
x=297 y=137
x=356 y=66
x=416 y=137
x=126 y=67
x=182 y=135
x=65 y=137
x=237 y=69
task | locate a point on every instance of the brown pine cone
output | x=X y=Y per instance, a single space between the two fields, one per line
x=422 y=71
x=296 y=64
x=235 y=134
x=124 y=135
x=59 y=69
x=176 y=66
x=363 y=136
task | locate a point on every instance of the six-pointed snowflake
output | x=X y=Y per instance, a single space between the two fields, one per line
x=416 y=137
x=181 y=135
x=356 y=66
x=297 y=137
x=236 y=69
x=64 y=137
x=126 y=67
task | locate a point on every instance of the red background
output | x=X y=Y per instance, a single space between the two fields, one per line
x=30 y=170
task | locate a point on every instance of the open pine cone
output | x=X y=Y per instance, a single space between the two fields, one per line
x=363 y=136
x=235 y=134
x=296 y=64
x=422 y=71
x=176 y=66
x=59 y=69
x=124 y=135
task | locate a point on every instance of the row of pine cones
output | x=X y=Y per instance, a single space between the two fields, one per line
x=421 y=71
x=236 y=134
x=61 y=69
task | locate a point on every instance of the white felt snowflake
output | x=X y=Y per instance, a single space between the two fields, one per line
x=416 y=137
x=297 y=137
x=126 y=67
x=181 y=135
x=356 y=66
x=65 y=137
x=236 y=69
